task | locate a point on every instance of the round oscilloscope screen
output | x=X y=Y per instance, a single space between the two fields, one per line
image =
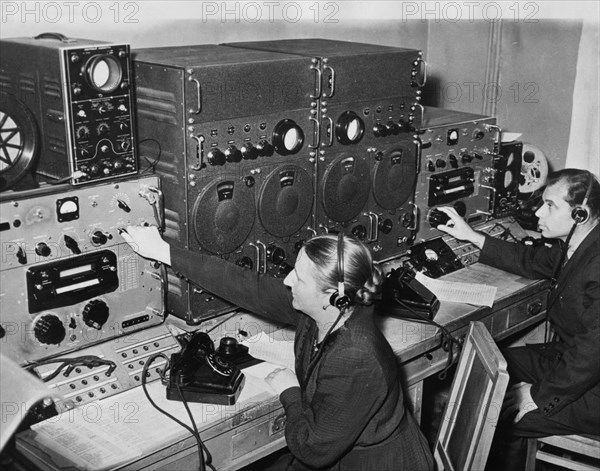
x=103 y=73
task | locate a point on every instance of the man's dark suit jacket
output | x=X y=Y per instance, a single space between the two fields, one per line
x=569 y=390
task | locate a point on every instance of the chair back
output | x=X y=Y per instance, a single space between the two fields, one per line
x=474 y=404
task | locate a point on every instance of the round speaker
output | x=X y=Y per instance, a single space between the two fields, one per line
x=285 y=200
x=394 y=177
x=223 y=215
x=534 y=169
x=19 y=141
x=346 y=186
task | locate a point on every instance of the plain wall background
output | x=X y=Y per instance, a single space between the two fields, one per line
x=521 y=68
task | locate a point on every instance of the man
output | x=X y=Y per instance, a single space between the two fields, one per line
x=556 y=388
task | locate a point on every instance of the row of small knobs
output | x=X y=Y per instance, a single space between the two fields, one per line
x=43 y=249
x=390 y=129
x=441 y=163
x=50 y=330
x=233 y=155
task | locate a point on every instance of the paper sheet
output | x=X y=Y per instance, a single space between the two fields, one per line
x=276 y=347
x=118 y=430
x=19 y=391
x=470 y=293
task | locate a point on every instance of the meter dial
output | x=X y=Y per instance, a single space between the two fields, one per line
x=67 y=209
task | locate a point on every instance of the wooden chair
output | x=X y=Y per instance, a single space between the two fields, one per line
x=576 y=452
x=474 y=404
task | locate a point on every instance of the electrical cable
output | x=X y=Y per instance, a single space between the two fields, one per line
x=71 y=363
x=194 y=432
x=447 y=341
x=505 y=234
x=554 y=279
x=151 y=164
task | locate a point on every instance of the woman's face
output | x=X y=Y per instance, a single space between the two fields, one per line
x=307 y=295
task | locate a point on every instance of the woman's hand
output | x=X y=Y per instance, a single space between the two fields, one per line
x=457 y=227
x=147 y=242
x=282 y=379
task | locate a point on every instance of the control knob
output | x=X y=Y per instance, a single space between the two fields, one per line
x=49 y=329
x=265 y=149
x=95 y=314
x=360 y=232
x=453 y=161
x=393 y=128
x=386 y=226
x=245 y=262
x=83 y=132
x=380 y=130
x=99 y=238
x=466 y=158
x=102 y=128
x=42 y=249
x=437 y=218
x=275 y=254
x=215 y=157
x=233 y=154
x=249 y=152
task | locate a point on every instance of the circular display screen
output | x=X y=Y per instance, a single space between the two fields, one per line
x=103 y=73
x=349 y=128
x=287 y=137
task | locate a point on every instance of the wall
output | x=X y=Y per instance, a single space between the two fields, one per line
x=522 y=73
x=520 y=69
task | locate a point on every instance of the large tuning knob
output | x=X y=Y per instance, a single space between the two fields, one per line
x=49 y=329
x=95 y=314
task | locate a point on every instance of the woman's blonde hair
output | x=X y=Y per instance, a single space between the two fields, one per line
x=362 y=278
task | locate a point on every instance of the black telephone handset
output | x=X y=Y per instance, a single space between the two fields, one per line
x=200 y=374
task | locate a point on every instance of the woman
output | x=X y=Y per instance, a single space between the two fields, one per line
x=344 y=405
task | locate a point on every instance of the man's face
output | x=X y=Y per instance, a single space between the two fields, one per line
x=554 y=215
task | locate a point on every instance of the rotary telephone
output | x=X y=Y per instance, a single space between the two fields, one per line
x=200 y=374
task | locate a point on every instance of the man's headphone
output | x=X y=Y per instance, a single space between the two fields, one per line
x=339 y=298
x=580 y=214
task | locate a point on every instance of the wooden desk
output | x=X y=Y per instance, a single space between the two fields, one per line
x=253 y=428
x=520 y=303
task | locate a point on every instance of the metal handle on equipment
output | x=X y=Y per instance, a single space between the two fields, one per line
x=317 y=81
x=316 y=133
x=57 y=36
x=198 y=95
x=332 y=87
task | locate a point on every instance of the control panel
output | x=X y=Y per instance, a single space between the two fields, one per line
x=68 y=278
x=99 y=112
x=457 y=167
x=101 y=371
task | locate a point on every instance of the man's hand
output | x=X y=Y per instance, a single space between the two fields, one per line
x=518 y=399
x=458 y=227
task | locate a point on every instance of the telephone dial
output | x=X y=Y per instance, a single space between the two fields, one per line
x=200 y=374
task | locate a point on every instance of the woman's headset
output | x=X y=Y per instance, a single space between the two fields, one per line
x=580 y=214
x=339 y=298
